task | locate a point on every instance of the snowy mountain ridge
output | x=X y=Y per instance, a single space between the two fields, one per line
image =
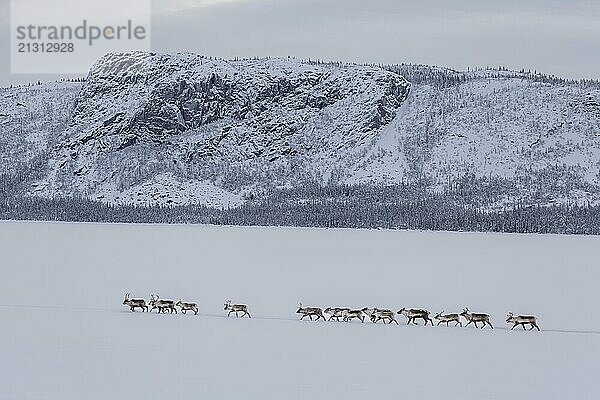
x=151 y=128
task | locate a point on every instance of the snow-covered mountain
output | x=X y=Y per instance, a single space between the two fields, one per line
x=149 y=128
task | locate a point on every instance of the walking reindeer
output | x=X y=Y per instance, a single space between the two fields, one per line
x=412 y=314
x=475 y=318
x=336 y=312
x=310 y=312
x=382 y=314
x=236 y=308
x=349 y=315
x=185 y=307
x=162 y=304
x=135 y=303
x=447 y=318
x=522 y=320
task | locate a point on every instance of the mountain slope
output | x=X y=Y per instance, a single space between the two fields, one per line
x=151 y=128
x=189 y=119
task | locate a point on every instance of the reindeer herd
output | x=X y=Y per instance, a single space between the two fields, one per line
x=344 y=314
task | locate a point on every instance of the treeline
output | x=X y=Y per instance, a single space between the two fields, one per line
x=353 y=206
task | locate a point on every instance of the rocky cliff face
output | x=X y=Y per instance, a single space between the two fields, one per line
x=192 y=118
x=178 y=129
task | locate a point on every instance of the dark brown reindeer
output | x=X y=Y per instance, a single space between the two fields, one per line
x=412 y=314
x=135 y=303
x=236 y=308
x=310 y=312
x=522 y=320
x=475 y=318
x=447 y=318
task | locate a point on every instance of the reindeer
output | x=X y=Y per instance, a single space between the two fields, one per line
x=133 y=303
x=236 y=308
x=447 y=318
x=349 y=315
x=310 y=311
x=335 y=312
x=161 y=304
x=184 y=307
x=475 y=318
x=383 y=314
x=413 y=313
x=522 y=320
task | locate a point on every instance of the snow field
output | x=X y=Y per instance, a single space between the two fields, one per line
x=65 y=334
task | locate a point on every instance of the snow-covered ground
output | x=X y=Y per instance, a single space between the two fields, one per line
x=65 y=335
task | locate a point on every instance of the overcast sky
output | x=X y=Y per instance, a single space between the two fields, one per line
x=560 y=37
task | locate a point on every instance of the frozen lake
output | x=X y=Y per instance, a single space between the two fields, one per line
x=65 y=335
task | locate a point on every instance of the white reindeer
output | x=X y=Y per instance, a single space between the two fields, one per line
x=349 y=315
x=236 y=308
x=383 y=315
x=162 y=304
x=447 y=318
x=135 y=303
x=336 y=312
x=475 y=318
x=412 y=314
x=522 y=320
x=185 y=307
x=310 y=312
